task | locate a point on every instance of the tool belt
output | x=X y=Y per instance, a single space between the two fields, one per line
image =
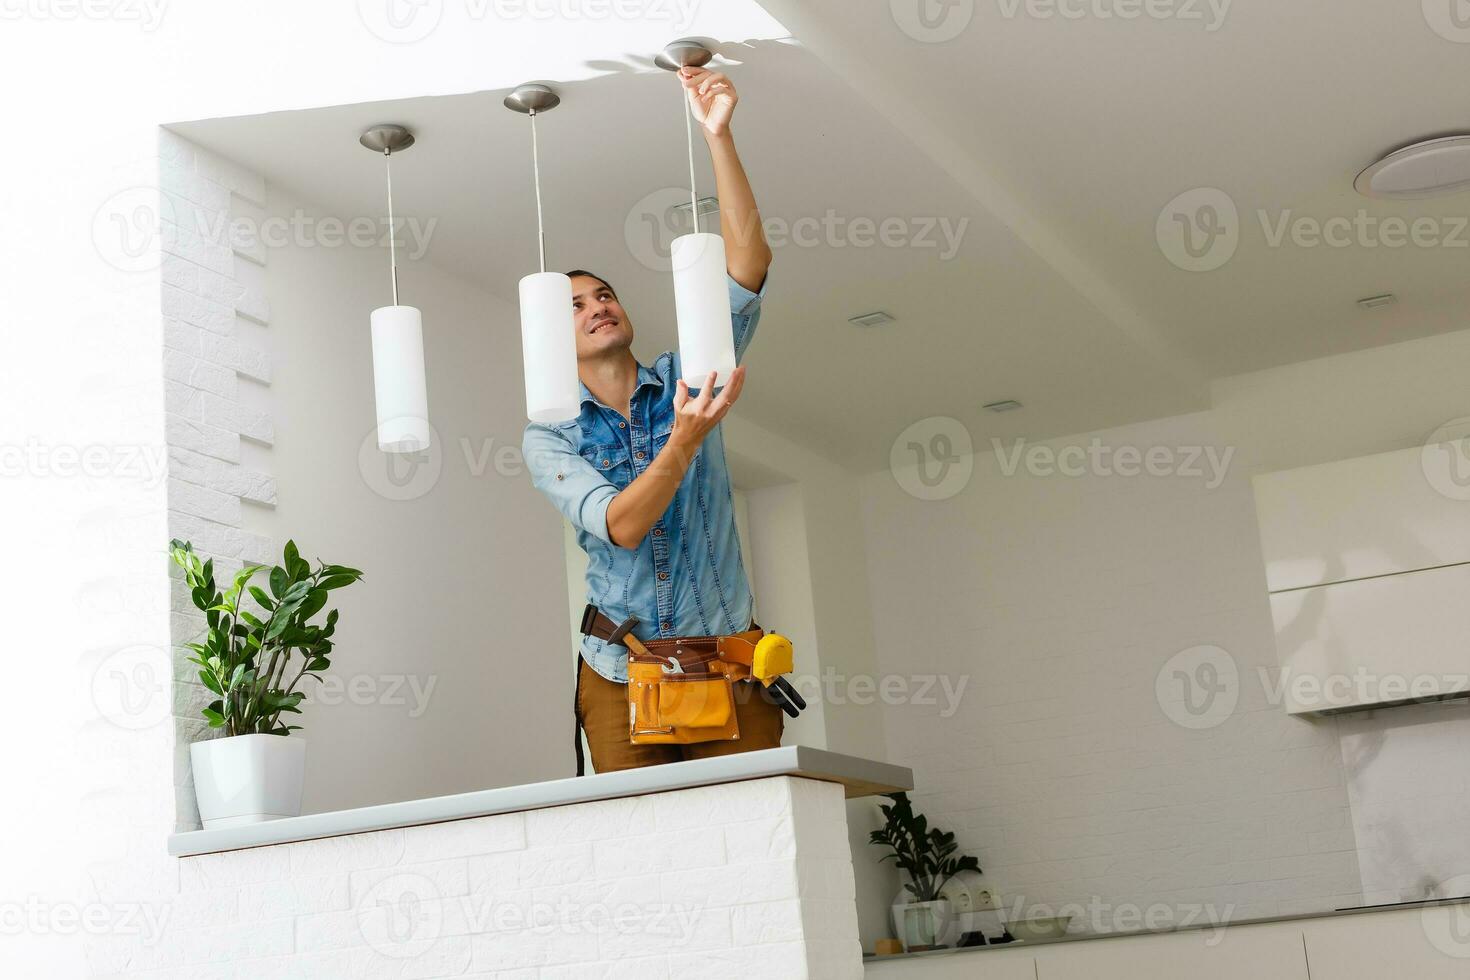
x=680 y=688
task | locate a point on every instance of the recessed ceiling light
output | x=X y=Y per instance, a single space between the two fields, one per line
x=875 y=319
x=707 y=205
x=1009 y=405
x=1374 y=302
x=1425 y=169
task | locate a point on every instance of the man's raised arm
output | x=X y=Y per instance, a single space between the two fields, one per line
x=747 y=255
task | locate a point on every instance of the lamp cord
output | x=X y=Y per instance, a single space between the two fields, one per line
x=536 y=173
x=689 y=138
x=392 y=246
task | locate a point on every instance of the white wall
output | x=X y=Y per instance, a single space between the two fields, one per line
x=1061 y=599
x=453 y=642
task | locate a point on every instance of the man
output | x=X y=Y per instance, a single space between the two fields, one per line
x=641 y=475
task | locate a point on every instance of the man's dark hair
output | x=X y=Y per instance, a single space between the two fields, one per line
x=592 y=275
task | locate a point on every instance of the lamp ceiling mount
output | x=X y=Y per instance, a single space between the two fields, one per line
x=532 y=98
x=687 y=52
x=387 y=138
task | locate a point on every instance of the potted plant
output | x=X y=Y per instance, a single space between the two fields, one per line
x=253 y=662
x=926 y=855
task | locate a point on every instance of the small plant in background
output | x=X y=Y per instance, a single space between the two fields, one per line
x=254 y=662
x=925 y=853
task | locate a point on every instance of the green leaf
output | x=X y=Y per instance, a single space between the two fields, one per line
x=280 y=581
x=340 y=570
x=216 y=720
x=315 y=600
x=211 y=682
x=292 y=554
x=260 y=597
x=336 y=581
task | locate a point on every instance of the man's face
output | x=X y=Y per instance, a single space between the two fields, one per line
x=601 y=323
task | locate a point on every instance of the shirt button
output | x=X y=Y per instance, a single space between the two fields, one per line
x=560 y=477
x=622 y=425
x=604 y=462
x=639 y=454
x=663 y=576
x=658 y=532
x=665 y=626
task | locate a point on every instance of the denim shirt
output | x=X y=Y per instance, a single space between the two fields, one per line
x=686 y=577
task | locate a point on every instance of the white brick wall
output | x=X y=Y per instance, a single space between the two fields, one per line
x=747 y=879
x=211 y=282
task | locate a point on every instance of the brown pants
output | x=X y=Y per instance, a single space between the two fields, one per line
x=603 y=707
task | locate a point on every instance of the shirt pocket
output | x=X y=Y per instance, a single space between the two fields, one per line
x=611 y=462
x=661 y=431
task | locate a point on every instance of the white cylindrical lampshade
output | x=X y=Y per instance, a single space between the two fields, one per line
x=702 y=306
x=398 y=379
x=549 y=347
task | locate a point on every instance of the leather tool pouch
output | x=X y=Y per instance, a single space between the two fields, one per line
x=692 y=704
x=679 y=688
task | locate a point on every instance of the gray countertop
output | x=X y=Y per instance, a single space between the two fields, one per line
x=860 y=777
x=869 y=957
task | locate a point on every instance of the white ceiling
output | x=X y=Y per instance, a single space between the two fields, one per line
x=1059 y=141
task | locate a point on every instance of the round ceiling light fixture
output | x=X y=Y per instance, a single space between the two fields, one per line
x=1429 y=168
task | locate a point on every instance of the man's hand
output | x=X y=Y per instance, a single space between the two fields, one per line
x=695 y=417
x=634 y=510
x=711 y=96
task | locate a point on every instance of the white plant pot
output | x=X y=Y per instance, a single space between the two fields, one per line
x=248 y=778
x=922 y=923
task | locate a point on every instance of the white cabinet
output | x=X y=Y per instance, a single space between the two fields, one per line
x=1374 y=641
x=1375 y=515
x=1368 y=567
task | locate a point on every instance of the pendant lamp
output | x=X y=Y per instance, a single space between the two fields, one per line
x=548 y=331
x=701 y=296
x=398 y=334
